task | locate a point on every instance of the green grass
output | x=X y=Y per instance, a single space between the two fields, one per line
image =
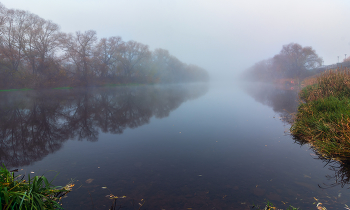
x=7 y=90
x=323 y=119
x=59 y=88
x=34 y=193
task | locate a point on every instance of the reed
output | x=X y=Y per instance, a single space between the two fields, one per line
x=35 y=193
x=323 y=119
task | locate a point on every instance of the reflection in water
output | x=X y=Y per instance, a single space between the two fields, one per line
x=341 y=172
x=285 y=102
x=35 y=124
x=339 y=168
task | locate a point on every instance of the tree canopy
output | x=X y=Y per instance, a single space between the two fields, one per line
x=293 y=61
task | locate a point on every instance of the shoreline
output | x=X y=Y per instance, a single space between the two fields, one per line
x=323 y=119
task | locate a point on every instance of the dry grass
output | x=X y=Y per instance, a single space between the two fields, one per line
x=330 y=83
x=309 y=81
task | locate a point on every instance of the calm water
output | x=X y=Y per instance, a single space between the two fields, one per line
x=168 y=147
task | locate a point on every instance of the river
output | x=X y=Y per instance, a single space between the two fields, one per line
x=193 y=146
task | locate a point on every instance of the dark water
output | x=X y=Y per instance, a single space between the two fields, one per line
x=168 y=147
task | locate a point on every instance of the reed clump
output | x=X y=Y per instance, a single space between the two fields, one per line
x=323 y=119
x=34 y=193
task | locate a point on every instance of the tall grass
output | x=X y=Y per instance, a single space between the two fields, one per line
x=323 y=119
x=35 y=193
x=330 y=83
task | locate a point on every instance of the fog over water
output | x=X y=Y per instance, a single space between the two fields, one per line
x=224 y=37
x=195 y=145
x=170 y=146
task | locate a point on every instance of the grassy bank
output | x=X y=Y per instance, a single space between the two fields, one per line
x=323 y=119
x=32 y=193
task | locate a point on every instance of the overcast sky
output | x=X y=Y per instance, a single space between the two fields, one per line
x=222 y=36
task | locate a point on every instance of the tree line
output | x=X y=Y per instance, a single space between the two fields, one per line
x=293 y=61
x=35 y=53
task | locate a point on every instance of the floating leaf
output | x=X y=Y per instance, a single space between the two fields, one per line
x=89 y=181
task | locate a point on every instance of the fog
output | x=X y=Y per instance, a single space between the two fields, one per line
x=223 y=37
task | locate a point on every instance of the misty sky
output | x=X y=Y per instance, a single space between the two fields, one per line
x=222 y=36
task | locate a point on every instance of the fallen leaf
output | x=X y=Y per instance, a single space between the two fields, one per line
x=88 y=181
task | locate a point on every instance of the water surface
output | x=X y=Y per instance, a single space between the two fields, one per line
x=193 y=146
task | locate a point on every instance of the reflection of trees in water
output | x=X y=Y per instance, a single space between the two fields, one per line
x=285 y=102
x=29 y=129
x=35 y=124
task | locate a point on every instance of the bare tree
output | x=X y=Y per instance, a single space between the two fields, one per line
x=47 y=40
x=28 y=45
x=34 y=50
x=106 y=55
x=3 y=17
x=132 y=53
x=79 y=49
x=12 y=41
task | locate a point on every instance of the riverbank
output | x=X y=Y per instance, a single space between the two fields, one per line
x=32 y=82
x=323 y=120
